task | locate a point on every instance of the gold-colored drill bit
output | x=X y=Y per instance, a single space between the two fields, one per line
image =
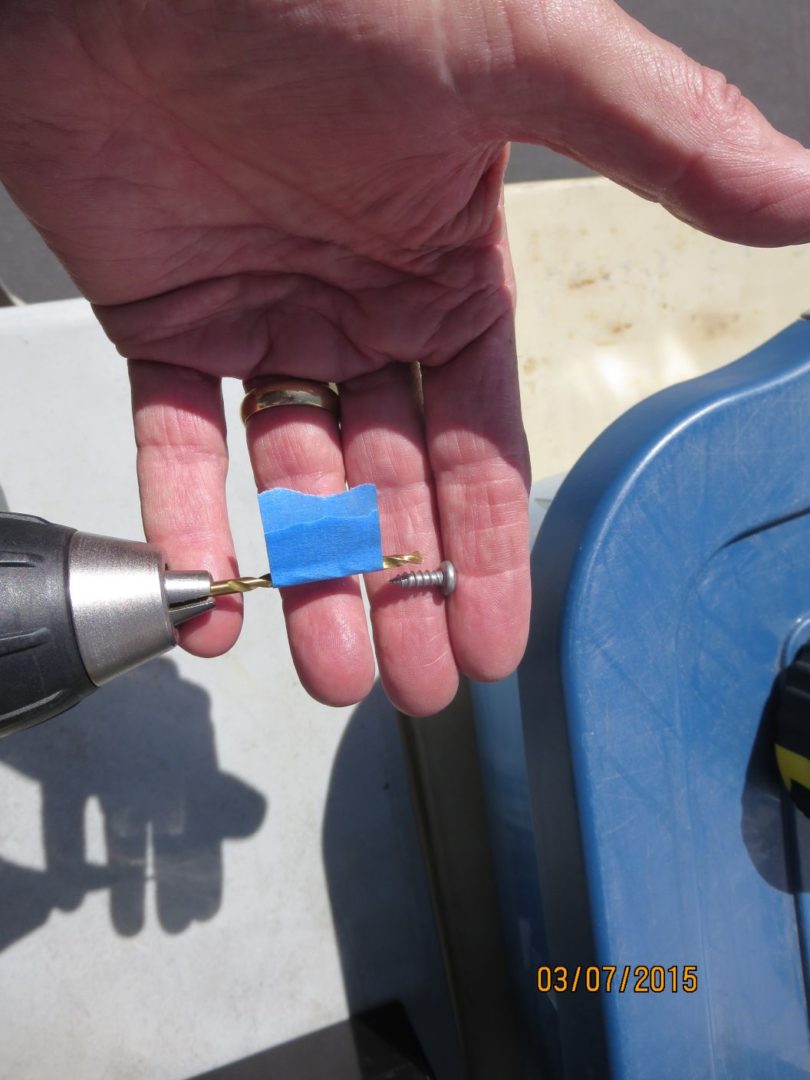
x=240 y=584
x=391 y=562
x=248 y=584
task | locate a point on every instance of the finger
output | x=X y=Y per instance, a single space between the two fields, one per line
x=188 y=877
x=593 y=83
x=383 y=444
x=64 y=843
x=480 y=463
x=182 y=465
x=125 y=835
x=299 y=447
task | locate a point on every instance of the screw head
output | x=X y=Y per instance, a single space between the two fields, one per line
x=449 y=572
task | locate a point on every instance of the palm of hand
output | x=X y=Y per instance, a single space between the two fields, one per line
x=311 y=192
x=236 y=204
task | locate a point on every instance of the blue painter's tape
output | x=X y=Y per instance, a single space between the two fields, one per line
x=318 y=537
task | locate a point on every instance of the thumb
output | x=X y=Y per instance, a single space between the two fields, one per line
x=587 y=80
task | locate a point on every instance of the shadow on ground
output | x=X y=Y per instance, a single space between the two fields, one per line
x=144 y=747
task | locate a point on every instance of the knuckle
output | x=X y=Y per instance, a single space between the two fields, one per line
x=716 y=103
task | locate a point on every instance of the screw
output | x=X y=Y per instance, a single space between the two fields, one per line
x=444 y=578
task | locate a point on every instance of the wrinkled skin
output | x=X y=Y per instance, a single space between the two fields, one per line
x=312 y=187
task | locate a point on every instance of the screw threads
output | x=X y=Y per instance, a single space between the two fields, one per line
x=419 y=579
x=444 y=578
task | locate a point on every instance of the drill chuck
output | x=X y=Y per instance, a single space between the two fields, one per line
x=76 y=610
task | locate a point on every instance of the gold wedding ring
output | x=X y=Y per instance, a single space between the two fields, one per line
x=272 y=393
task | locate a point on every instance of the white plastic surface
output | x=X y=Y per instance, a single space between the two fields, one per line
x=323 y=906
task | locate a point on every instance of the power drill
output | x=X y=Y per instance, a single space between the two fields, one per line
x=77 y=609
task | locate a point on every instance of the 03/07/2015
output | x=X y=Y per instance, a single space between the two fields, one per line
x=626 y=978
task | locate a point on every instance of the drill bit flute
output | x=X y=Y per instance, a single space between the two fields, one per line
x=444 y=578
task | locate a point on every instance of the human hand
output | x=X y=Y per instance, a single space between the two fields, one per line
x=267 y=186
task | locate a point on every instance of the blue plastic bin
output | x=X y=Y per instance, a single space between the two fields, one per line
x=672 y=582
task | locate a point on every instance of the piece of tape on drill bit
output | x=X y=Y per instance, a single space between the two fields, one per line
x=318 y=537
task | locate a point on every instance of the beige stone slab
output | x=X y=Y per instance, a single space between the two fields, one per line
x=617 y=299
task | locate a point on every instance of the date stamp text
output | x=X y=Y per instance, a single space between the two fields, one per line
x=613 y=978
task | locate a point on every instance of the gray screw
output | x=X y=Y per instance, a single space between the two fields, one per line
x=444 y=578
